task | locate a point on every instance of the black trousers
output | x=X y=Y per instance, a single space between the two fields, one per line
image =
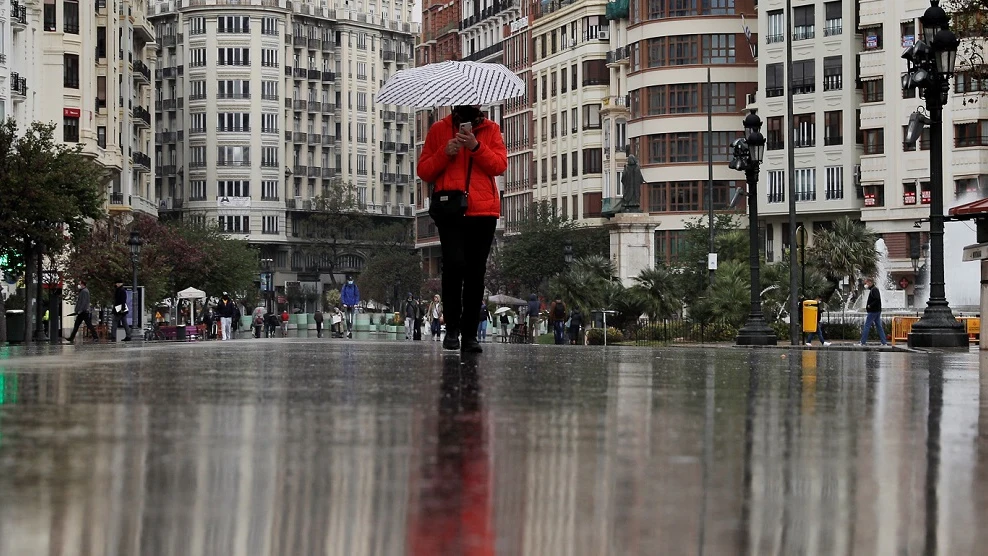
x=80 y=319
x=466 y=244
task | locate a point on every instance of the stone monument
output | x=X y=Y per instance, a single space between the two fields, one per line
x=631 y=231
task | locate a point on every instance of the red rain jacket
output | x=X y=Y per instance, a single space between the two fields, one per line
x=450 y=173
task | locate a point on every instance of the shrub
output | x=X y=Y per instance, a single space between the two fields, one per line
x=595 y=336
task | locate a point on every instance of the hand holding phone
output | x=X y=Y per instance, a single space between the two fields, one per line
x=466 y=127
x=466 y=137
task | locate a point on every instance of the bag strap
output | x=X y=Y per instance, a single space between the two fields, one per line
x=466 y=191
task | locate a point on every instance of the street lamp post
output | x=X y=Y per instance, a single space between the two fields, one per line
x=748 y=153
x=931 y=65
x=266 y=283
x=135 y=242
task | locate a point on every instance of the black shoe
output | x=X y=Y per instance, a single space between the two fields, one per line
x=127 y=339
x=70 y=340
x=471 y=345
x=451 y=342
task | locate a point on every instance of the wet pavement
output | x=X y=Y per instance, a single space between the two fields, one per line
x=361 y=447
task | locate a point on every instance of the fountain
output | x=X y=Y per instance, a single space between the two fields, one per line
x=893 y=299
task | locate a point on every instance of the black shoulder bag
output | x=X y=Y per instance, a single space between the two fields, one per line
x=448 y=205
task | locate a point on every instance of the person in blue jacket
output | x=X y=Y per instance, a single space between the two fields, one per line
x=350 y=297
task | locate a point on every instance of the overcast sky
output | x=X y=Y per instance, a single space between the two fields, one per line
x=417 y=11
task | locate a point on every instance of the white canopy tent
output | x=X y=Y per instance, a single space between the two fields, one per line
x=191 y=294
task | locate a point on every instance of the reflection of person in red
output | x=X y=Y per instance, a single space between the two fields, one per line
x=454 y=514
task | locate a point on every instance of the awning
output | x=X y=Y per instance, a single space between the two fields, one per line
x=972 y=209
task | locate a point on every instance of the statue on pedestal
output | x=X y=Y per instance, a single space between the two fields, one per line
x=631 y=183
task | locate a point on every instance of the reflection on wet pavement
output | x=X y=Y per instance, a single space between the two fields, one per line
x=314 y=447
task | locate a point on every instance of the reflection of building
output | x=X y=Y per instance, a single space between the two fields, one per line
x=72 y=65
x=270 y=104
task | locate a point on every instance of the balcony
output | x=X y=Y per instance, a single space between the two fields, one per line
x=288 y=71
x=314 y=74
x=18 y=87
x=314 y=44
x=166 y=170
x=301 y=170
x=388 y=55
x=165 y=137
x=480 y=54
x=328 y=173
x=142 y=162
x=300 y=73
x=328 y=140
x=327 y=46
x=315 y=139
x=116 y=198
x=141 y=115
x=315 y=106
x=141 y=70
x=404 y=179
x=389 y=178
x=18 y=16
x=834 y=82
x=314 y=171
x=288 y=102
x=403 y=148
x=299 y=137
x=618 y=55
x=402 y=118
x=388 y=115
x=328 y=76
x=328 y=108
x=288 y=135
x=168 y=40
x=233 y=163
x=169 y=104
x=169 y=73
x=299 y=105
x=388 y=146
x=232 y=129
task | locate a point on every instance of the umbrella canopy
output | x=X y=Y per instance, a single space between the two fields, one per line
x=506 y=300
x=451 y=83
x=191 y=293
x=502 y=310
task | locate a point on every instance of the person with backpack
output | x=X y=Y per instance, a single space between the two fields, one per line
x=575 y=324
x=557 y=319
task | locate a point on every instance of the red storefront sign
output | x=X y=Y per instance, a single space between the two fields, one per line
x=926 y=196
x=71 y=112
x=869 y=199
x=909 y=198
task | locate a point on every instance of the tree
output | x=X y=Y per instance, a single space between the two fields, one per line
x=969 y=21
x=393 y=268
x=845 y=250
x=730 y=244
x=333 y=228
x=49 y=192
x=529 y=259
x=655 y=289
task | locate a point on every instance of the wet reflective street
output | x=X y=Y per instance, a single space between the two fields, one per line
x=332 y=447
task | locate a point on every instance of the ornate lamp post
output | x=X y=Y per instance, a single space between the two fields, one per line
x=748 y=153
x=931 y=65
x=135 y=242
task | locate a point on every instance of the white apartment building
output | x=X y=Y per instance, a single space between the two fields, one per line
x=826 y=98
x=266 y=104
x=75 y=65
x=571 y=79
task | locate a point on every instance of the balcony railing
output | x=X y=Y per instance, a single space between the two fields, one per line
x=299 y=137
x=832 y=140
x=803 y=196
x=486 y=52
x=388 y=115
x=388 y=146
x=314 y=171
x=328 y=172
x=328 y=76
x=834 y=82
x=299 y=105
x=328 y=140
x=402 y=148
x=301 y=170
x=315 y=106
x=314 y=74
x=234 y=163
x=300 y=73
x=18 y=15
x=141 y=160
x=315 y=139
x=142 y=115
x=141 y=69
x=618 y=54
x=116 y=198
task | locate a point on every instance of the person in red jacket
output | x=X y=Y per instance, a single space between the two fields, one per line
x=465 y=146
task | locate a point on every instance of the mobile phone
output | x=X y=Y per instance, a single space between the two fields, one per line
x=466 y=127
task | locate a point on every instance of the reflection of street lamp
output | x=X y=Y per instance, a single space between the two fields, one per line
x=931 y=65
x=748 y=153
x=135 y=242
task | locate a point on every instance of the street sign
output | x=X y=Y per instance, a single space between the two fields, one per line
x=976 y=252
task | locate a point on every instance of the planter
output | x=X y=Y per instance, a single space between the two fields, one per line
x=392 y=329
x=363 y=323
x=303 y=320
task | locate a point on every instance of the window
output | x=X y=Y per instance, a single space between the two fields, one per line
x=833 y=128
x=362 y=41
x=874 y=90
x=805 y=184
x=974 y=134
x=197 y=122
x=834 y=22
x=70 y=13
x=774 y=136
x=233 y=24
x=669 y=246
x=101 y=136
x=592 y=161
x=232 y=156
x=234 y=223
x=804 y=130
x=554 y=126
x=197 y=26
x=596 y=72
x=572 y=77
x=688 y=196
x=923 y=143
x=362 y=164
x=233 y=56
x=872 y=38
x=362 y=70
x=361 y=133
x=101 y=42
x=774 y=80
x=197 y=57
x=269 y=58
x=233 y=188
x=802 y=18
x=724 y=97
x=564 y=166
x=545 y=170
x=776 y=27
x=70 y=71
x=269 y=159
x=50 y=23
x=70 y=129
x=269 y=224
x=269 y=26
x=803 y=77
x=197 y=190
x=562 y=80
x=776 y=186
x=362 y=102
x=269 y=190
x=269 y=90
x=591 y=116
x=833 y=78
x=197 y=89
x=835 y=182
x=969 y=82
x=874 y=141
x=269 y=123
x=718 y=49
x=563 y=122
x=233 y=88
x=233 y=121
x=197 y=156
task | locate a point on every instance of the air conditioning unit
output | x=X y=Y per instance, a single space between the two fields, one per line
x=603 y=35
x=298 y=202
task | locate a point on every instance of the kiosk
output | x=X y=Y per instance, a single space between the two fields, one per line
x=977 y=211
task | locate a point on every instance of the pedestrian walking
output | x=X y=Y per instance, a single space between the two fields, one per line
x=318 y=318
x=874 y=318
x=485 y=317
x=350 y=297
x=236 y=319
x=575 y=324
x=533 y=317
x=83 y=313
x=420 y=312
x=504 y=326
x=337 y=322
x=819 y=325
x=557 y=318
x=258 y=324
x=120 y=311
x=411 y=313
x=436 y=317
x=284 y=323
x=225 y=312
x=462 y=154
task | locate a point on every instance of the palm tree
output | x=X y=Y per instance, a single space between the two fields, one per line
x=847 y=249
x=656 y=292
x=584 y=285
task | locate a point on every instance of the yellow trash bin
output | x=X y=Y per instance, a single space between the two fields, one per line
x=810 y=311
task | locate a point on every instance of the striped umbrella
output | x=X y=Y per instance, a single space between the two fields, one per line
x=451 y=84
